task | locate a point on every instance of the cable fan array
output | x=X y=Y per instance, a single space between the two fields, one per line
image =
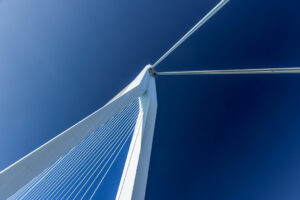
x=80 y=173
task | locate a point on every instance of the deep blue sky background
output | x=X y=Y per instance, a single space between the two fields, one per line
x=217 y=137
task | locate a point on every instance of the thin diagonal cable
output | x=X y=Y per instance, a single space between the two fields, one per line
x=113 y=160
x=62 y=181
x=43 y=177
x=77 y=173
x=33 y=182
x=47 y=182
x=131 y=154
x=101 y=169
x=106 y=124
x=121 y=130
x=128 y=136
x=89 y=174
x=291 y=70
x=99 y=154
x=38 y=182
x=90 y=168
x=53 y=175
x=75 y=168
x=80 y=148
x=129 y=130
x=94 y=192
x=66 y=158
x=29 y=186
x=190 y=32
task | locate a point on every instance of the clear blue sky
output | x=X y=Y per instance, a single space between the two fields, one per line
x=216 y=137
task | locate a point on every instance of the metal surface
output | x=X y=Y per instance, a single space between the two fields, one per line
x=32 y=165
x=293 y=70
x=192 y=30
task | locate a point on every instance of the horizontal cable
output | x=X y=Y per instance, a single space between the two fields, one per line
x=192 y=30
x=292 y=70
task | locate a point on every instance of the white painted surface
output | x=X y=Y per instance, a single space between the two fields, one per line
x=134 y=178
x=21 y=172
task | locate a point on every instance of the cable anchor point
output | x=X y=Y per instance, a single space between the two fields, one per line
x=152 y=72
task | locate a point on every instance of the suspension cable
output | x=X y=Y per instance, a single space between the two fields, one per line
x=211 y=13
x=291 y=70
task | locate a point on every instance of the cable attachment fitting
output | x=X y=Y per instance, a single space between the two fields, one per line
x=152 y=72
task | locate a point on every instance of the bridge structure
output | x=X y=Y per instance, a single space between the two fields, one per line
x=74 y=164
